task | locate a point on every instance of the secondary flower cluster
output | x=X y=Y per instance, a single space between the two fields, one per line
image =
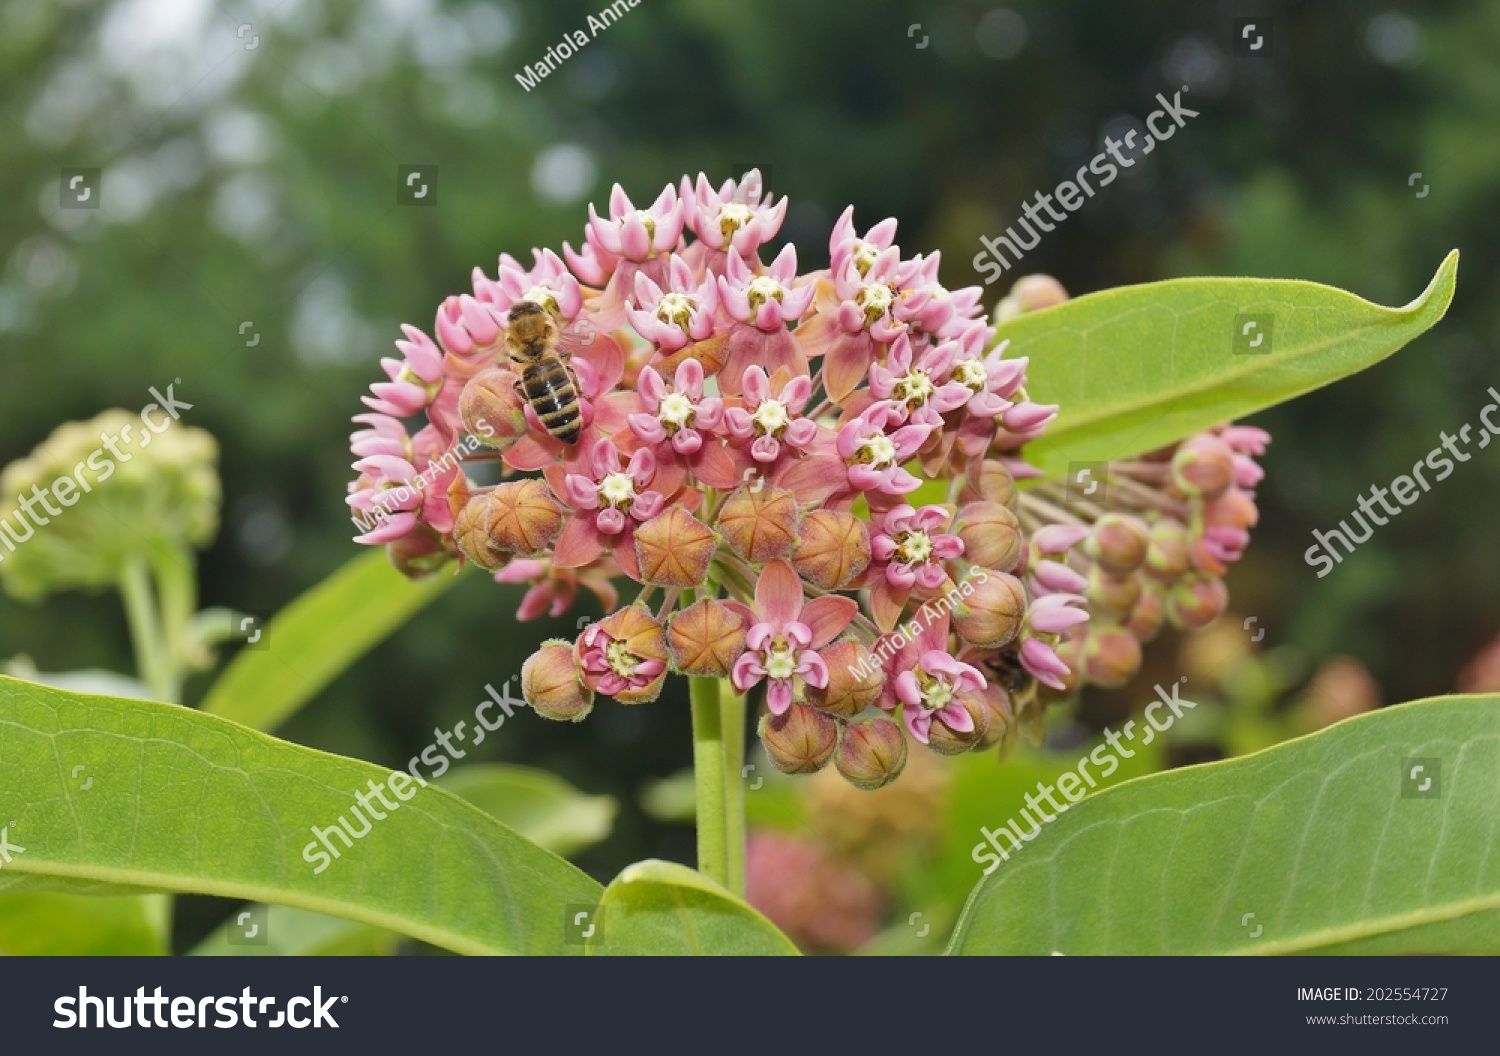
x=812 y=475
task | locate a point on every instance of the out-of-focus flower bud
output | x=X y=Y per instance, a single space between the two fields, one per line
x=471 y=531
x=832 y=548
x=1113 y=594
x=706 y=638
x=1195 y=601
x=871 y=754
x=760 y=525
x=420 y=553
x=1029 y=711
x=1118 y=543
x=990 y=615
x=524 y=517
x=1001 y=716
x=1150 y=611
x=1031 y=293
x=624 y=655
x=1168 y=555
x=801 y=740
x=991 y=535
x=674 y=549
x=491 y=409
x=945 y=740
x=550 y=683
x=1233 y=509
x=854 y=679
x=1111 y=656
x=1341 y=689
x=1203 y=466
x=989 y=481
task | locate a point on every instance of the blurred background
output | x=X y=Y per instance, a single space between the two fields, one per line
x=249 y=240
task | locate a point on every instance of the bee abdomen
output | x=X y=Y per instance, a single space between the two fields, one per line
x=548 y=388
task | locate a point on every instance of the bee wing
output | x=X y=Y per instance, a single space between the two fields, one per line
x=575 y=337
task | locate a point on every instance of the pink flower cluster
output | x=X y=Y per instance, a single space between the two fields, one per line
x=751 y=443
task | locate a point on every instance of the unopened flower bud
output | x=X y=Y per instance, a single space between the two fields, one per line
x=1118 y=543
x=1113 y=594
x=1203 y=466
x=990 y=615
x=832 y=548
x=524 y=517
x=1233 y=509
x=871 y=754
x=1111 y=657
x=991 y=535
x=945 y=740
x=674 y=549
x=1149 y=613
x=1167 y=557
x=706 y=638
x=988 y=480
x=471 y=531
x=1001 y=716
x=854 y=679
x=1031 y=293
x=1195 y=601
x=624 y=656
x=419 y=553
x=760 y=525
x=550 y=683
x=801 y=740
x=491 y=409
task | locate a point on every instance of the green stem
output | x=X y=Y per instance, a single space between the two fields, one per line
x=151 y=659
x=708 y=774
x=177 y=590
x=732 y=719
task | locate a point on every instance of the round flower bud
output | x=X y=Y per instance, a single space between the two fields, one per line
x=760 y=525
x=991 y=535
x=988 y=480
x=1149 y=613
x=990 y=615
x=524 y=517
x=832 y=548
x=799 y=741
x=871 y=754
x=1113 y=594
x=945 y=740
x=674 y=549
x=1001 y=716
x=1203 y=466
x=491 y=409
x=854 y=679
x=1031 y=293
x=550 y=684
x=1195 y=601
x=1111 y=657
x=1118 y=543
x=706 y=638
x=1233 y=509
x=471 y=531
x=1168 y=555
x=624 y=656
x=419 y=553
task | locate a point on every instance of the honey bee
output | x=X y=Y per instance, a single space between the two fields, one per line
x=543 y=378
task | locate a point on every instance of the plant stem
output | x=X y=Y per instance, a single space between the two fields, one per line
x=732 y=718
x=708 y=774
x=151 y=658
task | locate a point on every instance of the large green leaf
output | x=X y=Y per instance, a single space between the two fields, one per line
x=317 y=636
x=661 y=908
x=182 y=801
x=293 y=932
x=1139 y=367
x=53 y=923
x=1324 y=844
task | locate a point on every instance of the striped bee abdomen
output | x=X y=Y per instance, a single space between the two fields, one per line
x=548 y=387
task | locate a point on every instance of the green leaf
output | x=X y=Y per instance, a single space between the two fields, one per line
x=52 y=923
x=316 y=637
x=299 y=933
x=1327 y=840
x=540 y=806
x=183 y=801
x=1139 y=367
x=662 y=908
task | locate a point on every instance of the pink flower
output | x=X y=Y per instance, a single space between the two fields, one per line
x=735 y=217
x=772 y=424
x=768 y=300
x=609 y=502
x=785 y=633
x=918 y=382
x=465 y=326
x=553 y=590
x=638 y=234
x=678 y=424
x=847 y=249
x=1046 y=619
x=866 y=456
x=923 y=676
x=548 y=284
x=907 y=552
x=681 y=314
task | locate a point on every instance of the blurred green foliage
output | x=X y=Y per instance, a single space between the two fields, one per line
x=250 y=177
